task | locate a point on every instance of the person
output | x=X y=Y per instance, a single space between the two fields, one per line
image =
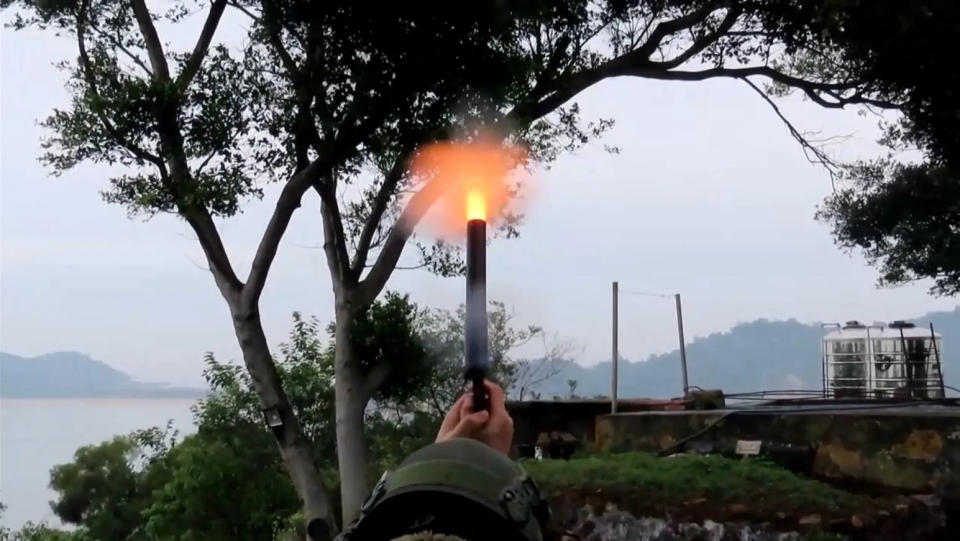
x=462 y=487
x=493 y=427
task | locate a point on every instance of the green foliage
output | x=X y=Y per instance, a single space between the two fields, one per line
x=306 y=369
x=762 y=485
x=365 y=87
x=224 y=482
x=255 y=114
x=385 y=336
x=322 y=95
x=442 y=334
x=227 y=481
x=41 y=532
x=905 y=219
x=101 y=490
x=227 y=484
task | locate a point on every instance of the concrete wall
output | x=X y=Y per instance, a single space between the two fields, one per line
x=917 y=451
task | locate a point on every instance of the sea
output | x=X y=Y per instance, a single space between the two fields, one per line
x=37 y=434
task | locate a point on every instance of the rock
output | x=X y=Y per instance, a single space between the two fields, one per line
x=781 y=515
x=856 y=522
x=902 y=509
x=696 y=501
x=613 y=524
x=714 y=530
x=927 y=500
x=738 y=509
x=810 y=520
x=585 y=529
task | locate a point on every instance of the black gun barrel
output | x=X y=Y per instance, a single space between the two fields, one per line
x=476 y=356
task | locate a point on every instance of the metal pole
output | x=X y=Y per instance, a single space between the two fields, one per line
x=616 y=353
x=936 y=353
x=476 y=357
x=906 y=365
x=683 y=348
x=823 y=362
x=870 y=368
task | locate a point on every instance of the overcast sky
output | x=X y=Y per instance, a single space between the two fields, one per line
x=710 y=197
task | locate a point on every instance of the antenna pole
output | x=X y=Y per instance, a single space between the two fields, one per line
x=616 y=350
x=683 y=347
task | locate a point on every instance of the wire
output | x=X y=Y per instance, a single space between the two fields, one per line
x=646 y=293
x=761 y=410
x=683 y=441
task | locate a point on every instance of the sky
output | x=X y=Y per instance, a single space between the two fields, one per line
x=710 y=197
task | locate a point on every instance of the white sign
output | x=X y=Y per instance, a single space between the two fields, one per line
x=748 y=447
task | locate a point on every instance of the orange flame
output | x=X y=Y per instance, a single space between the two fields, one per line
x=478 y=181
x=476 y=206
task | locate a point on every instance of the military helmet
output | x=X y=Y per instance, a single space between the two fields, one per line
x=459 y=487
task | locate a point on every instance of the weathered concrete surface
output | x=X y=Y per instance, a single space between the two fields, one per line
x=912 y=449
x=532 y=418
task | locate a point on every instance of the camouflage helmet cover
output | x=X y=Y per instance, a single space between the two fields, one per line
x=460 y=487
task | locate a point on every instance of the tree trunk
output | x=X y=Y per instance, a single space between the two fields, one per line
x=294 y=448
x=351 y=400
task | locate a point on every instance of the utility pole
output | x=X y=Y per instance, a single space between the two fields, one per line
x=683 y=348
x=616 y=354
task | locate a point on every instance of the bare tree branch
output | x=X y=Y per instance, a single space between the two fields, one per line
x=287 y=203
x=167 y=126
x=203 y=43
x=812 y=89
x=161 y=71
x=212 y=244
x=393 y=246
x=672 y=26
x=384 y=194
x=116 y=41
x=275 y=39
x=813 y=154
x=705 y=40
x=91 y=79
x=334 y=240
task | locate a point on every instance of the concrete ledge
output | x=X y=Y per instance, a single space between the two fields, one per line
x=914 y=448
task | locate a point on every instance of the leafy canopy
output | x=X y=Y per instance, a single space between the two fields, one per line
x=353 y=89
x=905 y=216
x=153 y=485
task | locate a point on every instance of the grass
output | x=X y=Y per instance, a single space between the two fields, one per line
x=710 y=481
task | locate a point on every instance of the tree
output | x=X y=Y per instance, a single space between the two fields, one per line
x=148 y=485
x=39 y=532
x=227 y=484
x=327 y=94
x=102 y=490
x=442 y=333
x=905 y=217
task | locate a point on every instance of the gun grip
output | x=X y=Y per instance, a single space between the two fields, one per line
x=481 y=399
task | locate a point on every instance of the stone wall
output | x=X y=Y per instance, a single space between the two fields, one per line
x=915 y=450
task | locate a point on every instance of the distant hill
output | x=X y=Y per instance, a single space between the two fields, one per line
x=760 y=355
x=69 y=374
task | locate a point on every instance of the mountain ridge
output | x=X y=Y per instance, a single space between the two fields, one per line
x=71 y=374
x=752 y=356
x=757 y=355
